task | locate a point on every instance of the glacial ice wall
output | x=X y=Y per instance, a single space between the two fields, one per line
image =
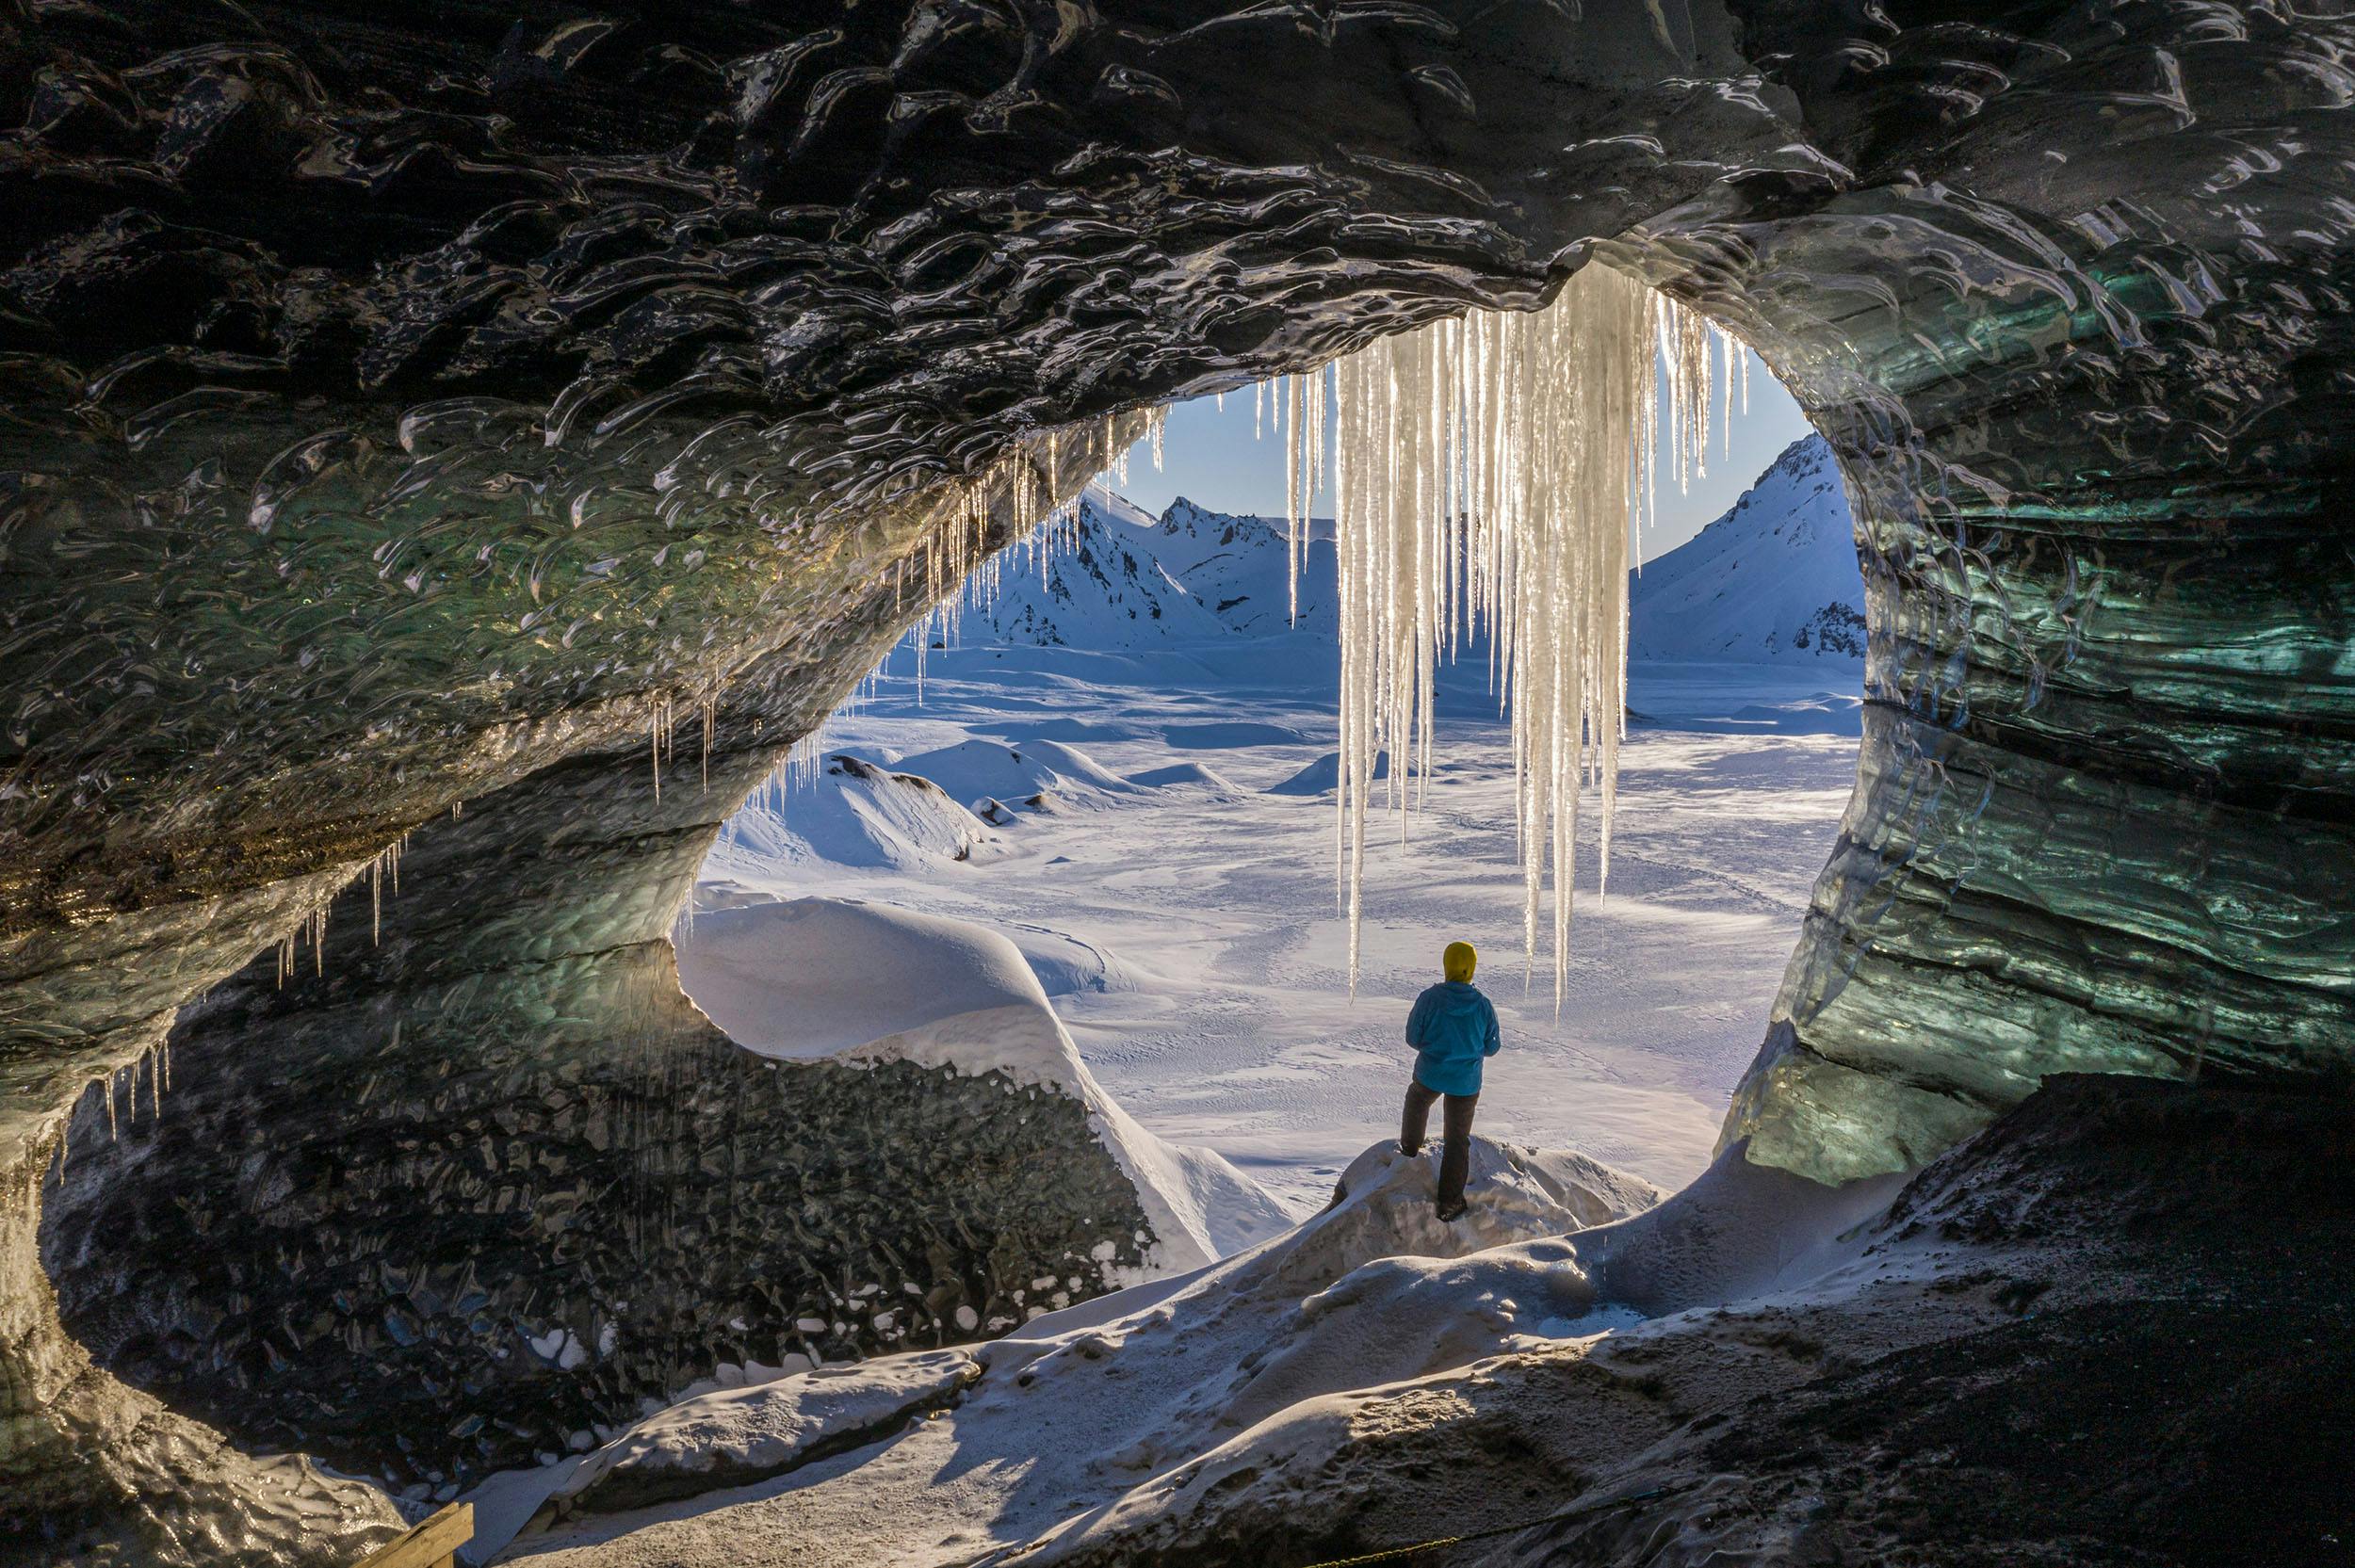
x=406 y=407
x=477 y=1179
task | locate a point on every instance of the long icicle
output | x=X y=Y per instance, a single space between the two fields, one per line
x=1487 y=474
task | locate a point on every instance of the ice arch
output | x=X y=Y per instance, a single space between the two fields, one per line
x=408 y=412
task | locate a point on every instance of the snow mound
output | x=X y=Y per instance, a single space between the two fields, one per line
x=1324 y=776
x=1186 y=775
x=797 y=978
x=737 y=1436
x=1069 y=762
x=1046 y=803
x=1821 y=713
x=1016 y=774
x=1225 y=735
x=1775 y=580
x=864 y=982
x=1081 y=728
x=1384 y=1207
x=851 y=811
x=1067 y=965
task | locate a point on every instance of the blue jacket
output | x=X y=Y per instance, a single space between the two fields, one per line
x=1453 y=1030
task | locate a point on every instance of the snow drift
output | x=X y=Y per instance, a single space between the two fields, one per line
x=1324 y=776
x=864 y=982
x=918 y=814
x=849 y=811
x=972 y=769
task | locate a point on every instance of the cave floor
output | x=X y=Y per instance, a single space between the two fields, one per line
x=2113 y=1329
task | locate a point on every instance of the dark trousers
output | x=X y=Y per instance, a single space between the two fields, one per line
x=1455 y=1155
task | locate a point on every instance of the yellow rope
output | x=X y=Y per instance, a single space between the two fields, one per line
x=1392 y=1553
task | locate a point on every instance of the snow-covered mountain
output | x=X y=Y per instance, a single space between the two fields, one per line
x=1236 y=567
x=1120 y=577
x=1775 y=580
x=1101 y=585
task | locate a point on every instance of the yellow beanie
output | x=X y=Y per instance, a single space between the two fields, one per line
x=1458 y=961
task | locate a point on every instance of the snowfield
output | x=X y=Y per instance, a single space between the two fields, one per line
x=1169 y=871
x=1122 y=761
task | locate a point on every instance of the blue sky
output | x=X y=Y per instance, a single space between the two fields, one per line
x=1212 y=458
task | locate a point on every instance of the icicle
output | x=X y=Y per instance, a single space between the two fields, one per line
x=112 y=1129
x=1304 y=472
x=1725 y=396
x=1485 y=473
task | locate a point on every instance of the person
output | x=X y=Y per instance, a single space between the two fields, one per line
x=1453 y=1028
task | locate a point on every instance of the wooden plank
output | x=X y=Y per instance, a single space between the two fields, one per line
x=428 y=1545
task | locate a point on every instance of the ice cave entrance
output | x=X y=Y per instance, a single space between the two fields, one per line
x=1082 y=824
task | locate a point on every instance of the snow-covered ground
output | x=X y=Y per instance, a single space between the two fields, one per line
x=1185 y=926
x=1123 y=764
x=1072 y=1412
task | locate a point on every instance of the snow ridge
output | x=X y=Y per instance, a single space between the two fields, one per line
x=1122 y=579
x=1104 y=586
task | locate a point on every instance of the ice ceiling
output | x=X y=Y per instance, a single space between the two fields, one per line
x=414 y=415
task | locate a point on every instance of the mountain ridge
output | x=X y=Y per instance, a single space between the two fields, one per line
x=1773 y=580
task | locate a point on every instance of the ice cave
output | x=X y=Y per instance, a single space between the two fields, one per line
x=457 y=460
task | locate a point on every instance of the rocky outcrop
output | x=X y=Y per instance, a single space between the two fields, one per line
x=400 y=408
